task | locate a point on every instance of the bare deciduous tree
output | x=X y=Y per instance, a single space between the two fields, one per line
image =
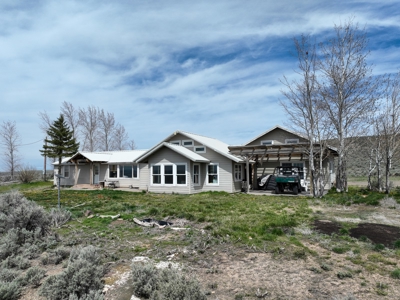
x=89 y=125
x=10 y=141
x=71 y=116
x=131 y=145
x=390 y=125
x=120 y=138
x=304 y=109
x=348 y=89
x=107 y=129
x=45 y=121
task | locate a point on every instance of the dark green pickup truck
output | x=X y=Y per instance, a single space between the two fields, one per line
x=287 y=179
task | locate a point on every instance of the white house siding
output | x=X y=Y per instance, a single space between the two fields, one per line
x=277 y=135
x=167 y=156
x=224 y=173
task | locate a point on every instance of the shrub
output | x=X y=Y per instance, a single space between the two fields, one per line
x=18 y=262
x=395 y=274
x=28 y=174
x=18 y=212
x=81 y=278
x=59 y=216
x=34 y=275
x=10 y=290
x=165 y=284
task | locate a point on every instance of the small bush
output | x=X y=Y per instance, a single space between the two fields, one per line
x=28 y=174
x=379 y=247
x=343 y=275
x=34 y=275
x=165 y=284
x=395 y=274
x=59 y=216
x=10 y=290
x=396 y=244
x=18 y=212
x=81 y=278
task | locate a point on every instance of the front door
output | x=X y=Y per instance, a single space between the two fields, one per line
x=96 y=173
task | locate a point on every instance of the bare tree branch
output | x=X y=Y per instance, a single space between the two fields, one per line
x=10 y=141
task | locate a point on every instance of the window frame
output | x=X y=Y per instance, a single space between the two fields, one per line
x=64 y=169
x=287 y=141
x=196 y=174
x=201 y=151
x=163 y=174
x=185 y=141
x=239 y=172
x=266 y=142
x=179 y=174
x=176 y=142
x=213 y=174
x=118 y=171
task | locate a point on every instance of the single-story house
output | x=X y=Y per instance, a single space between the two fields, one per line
x=188 y=163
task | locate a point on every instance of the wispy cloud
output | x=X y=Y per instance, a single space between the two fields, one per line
x=210 y=67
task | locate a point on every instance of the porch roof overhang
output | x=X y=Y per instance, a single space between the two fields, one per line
x=299 y=151
x=90 y=157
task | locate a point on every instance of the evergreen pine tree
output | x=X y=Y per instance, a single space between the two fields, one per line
x=60 y=142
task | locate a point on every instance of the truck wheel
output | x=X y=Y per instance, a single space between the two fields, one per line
x=276 y=190
x=295 y=190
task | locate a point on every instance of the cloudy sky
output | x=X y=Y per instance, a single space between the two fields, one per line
x=207 y=67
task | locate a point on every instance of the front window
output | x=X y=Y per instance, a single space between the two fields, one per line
x=196 y=174
x=187 y=143
x=66 y=171
x=125 y=171
x=156 y=170
x=180 y=174
x=168 y=174
x=267 y=142
x=113 y=171
x=238 y=172
x=212 y=174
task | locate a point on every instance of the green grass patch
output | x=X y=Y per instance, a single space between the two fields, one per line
x=355 y=195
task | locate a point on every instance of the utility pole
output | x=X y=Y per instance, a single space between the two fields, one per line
x=44 y=167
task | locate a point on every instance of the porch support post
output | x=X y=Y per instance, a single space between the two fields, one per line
x=247 y=175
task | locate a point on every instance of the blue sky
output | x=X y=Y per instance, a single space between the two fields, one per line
x=207 y=67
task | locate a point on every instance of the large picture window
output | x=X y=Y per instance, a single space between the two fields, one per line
x=238 y=172
x=123 y=171
x=212 y=175
x=169 y=174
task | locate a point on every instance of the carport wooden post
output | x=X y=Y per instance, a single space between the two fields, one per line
x=247 y=175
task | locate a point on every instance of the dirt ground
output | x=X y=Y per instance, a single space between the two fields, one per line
x=232 y=272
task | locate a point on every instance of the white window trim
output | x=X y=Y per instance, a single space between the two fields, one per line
x=118 y=172
x=176 y=142
x=160 y=174
x=241 y=172
x=214 y=184
x=286 y=141
x=63 y=171
x=269 y=142
x=174 y=174
x=163 y=175
x=202 y=151
x=196 y=184
x=184 y=141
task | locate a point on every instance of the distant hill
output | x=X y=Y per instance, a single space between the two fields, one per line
x=358 y=160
